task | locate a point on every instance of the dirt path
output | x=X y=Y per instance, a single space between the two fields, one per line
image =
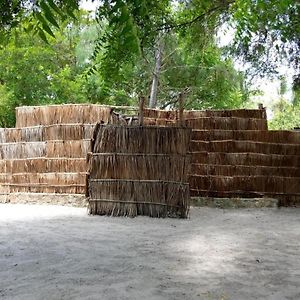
x=52 y=252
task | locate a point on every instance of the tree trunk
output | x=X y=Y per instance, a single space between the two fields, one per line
x=156 y=73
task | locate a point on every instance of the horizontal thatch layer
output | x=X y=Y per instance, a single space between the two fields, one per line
x=252 y=159
x=227 y=123
x=246 y=194
x=49 y=178
x=259 y=184
x=230 y=113
x=160 y=114
x=5 y=177
x=231 y=146
x=69 y=131
x=137 y=139
x=131 y=198
x=43 y=165
x=61 y=114
x=47 y=132
x=240 y=170
x=159 y=122
x=68 y=149
x=22 y=150
x=268 y=136
x=140 y=167
x=46 y=188
x=238 y=113
x=4 y=188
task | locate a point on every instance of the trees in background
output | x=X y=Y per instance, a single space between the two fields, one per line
x=125 y=60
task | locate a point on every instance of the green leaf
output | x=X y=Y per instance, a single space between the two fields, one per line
x=48 y=30
x=54 y=7
x=48 y=14
x=42 y=35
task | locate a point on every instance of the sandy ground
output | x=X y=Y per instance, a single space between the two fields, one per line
x=52 y=252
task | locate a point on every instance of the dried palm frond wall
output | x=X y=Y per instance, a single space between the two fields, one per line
x=47 y=151
x=139 y=170
x=235 y=155
x=229 y=148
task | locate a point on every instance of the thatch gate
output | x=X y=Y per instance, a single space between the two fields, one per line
x=139 y=170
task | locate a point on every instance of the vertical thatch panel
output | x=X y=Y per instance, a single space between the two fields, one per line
x=140 y=166
x=136 y=139
x=139 y=170
x=130 y=198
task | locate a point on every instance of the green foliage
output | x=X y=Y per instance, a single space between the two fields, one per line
x=267 y=33
x=286 y=116
x=7 y=106
x=37 y=17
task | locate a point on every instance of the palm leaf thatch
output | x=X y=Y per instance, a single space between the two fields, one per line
x=136 y=170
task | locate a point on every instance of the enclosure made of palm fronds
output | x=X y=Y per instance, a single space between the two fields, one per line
x=139 y=170
x=61 y=114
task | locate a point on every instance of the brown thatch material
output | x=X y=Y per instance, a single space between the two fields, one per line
x=245 y=184
x=268 y=136
x=231 y=146
x=68 y=149
x=22 y=150
x=160 y=114
x=139 y=170
x=192 y=114
x=237 y=113
x=46 y=188
x=227 y=123
x=49 y=178
x=5 y=177
x=240 y=170
x=61 y=114
x=136 y=139
x=32 y=134
x=255 y=159
x=3 y=166
x=64 y=132
x=134 y=197
x=140 y=166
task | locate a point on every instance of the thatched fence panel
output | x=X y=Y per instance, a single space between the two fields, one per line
x=255 y=159
x=242 y=170
x=139 y=170
x=130 y=198
x=140 y=166
x=61 y=114
x=49 y=178
x=46 y=188
x=67 y=149
x=233 y=146
x=147 y=140
x=274 y=136
x=22 y=150
x=227 y=123
x=245 y=184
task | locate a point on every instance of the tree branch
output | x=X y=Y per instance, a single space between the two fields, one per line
x=222 y=5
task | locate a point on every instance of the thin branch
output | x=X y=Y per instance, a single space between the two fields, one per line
x=167 y=26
